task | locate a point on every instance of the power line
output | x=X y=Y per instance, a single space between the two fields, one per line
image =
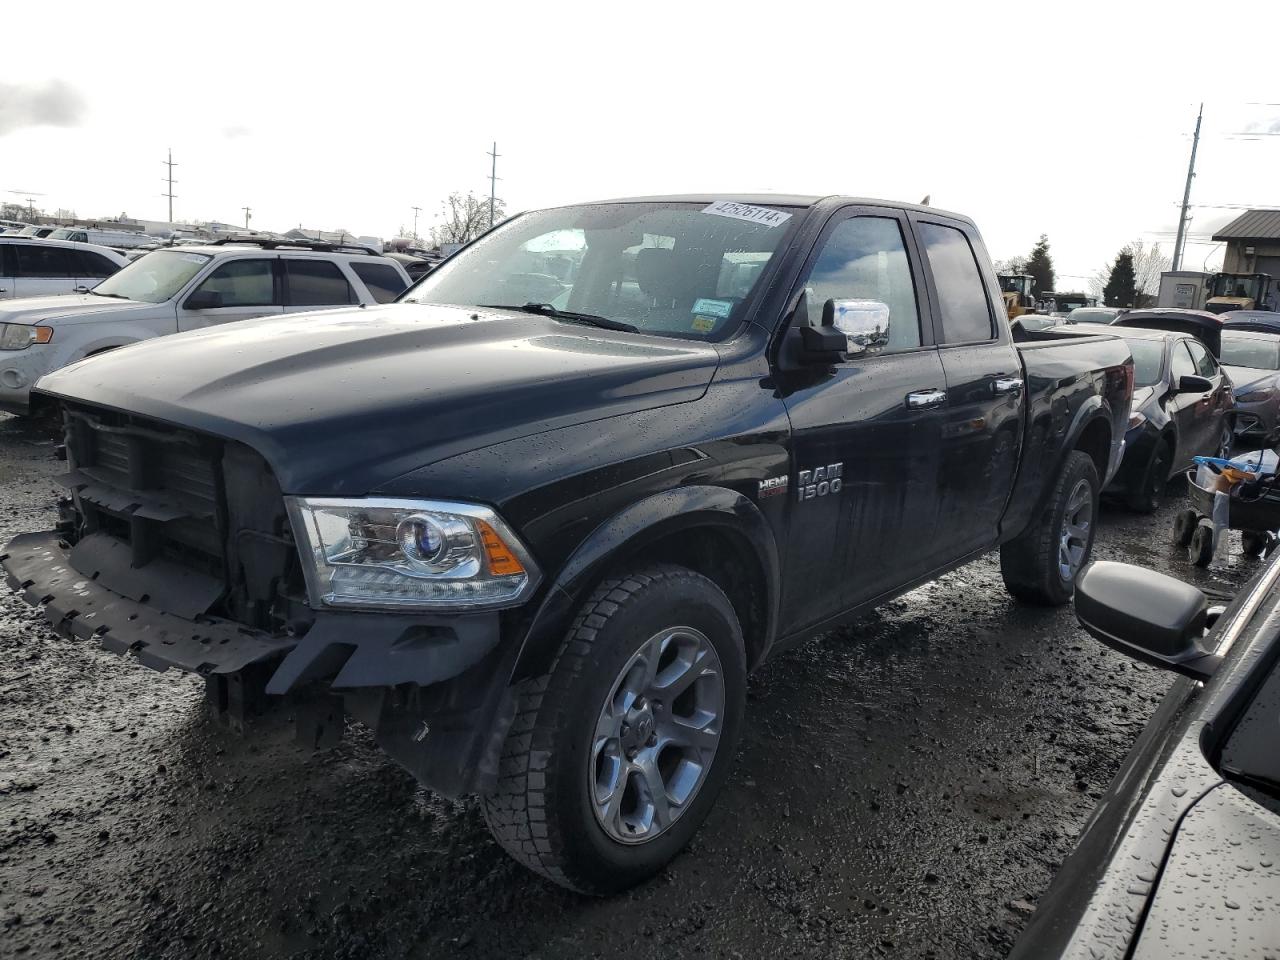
x=169 y=179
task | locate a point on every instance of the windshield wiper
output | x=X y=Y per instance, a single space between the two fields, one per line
x=549 y=310
x=118 y=296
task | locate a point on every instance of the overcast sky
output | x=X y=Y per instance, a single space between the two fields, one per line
x=1071 y=119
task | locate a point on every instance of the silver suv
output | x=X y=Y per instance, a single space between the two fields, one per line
x=184 y=288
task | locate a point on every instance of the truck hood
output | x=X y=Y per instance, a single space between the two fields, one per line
x=343 y=401
x=67 y=307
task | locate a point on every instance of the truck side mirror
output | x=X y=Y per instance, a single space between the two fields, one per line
x=848 y=328
x=1190 y=383
x=1145 y=615
x=204 y=300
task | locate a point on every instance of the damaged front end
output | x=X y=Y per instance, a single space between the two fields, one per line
x=176 y=548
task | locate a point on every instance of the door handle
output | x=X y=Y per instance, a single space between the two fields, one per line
x=1008 y=385
x=81 y=289
x=923 y=399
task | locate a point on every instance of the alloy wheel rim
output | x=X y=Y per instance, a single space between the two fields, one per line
x=1077 y=521
x=656 y=735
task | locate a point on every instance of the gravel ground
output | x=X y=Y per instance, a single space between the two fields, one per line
x=905 y=787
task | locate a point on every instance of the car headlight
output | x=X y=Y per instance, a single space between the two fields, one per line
x=1254 y=396
x=1136 y=419
x=19 y=336
x=409 y=553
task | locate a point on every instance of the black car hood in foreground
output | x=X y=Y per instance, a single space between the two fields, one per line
x=342 y=401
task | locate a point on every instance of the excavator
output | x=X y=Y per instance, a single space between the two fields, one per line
x=1016 y=288
x=1240 y=291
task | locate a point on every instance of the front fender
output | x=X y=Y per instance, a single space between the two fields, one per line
x=628 y=532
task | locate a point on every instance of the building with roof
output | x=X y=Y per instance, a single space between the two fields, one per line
x=1253 y=243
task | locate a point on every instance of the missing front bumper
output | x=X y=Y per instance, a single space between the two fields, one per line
x=38 y=566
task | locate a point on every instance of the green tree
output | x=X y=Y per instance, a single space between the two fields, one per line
x=1121 y=289
x=1040 y=265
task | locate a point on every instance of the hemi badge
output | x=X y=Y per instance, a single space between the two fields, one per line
x=772 y=486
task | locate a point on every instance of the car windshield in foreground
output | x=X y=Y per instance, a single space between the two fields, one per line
x=1148 y=361
x=1089 y=315
x=674 y=269
x=1240 y=351
x=152 y=278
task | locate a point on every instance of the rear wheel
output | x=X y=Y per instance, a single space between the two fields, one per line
x=1202 y=544
x=1148 y=490
x=618 y=752
x=1184 y=525
x=1041 y=564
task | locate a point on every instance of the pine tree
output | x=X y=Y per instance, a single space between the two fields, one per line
x=1040 y=266
x=1121 y=289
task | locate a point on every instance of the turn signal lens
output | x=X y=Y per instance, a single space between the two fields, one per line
x=501 y=559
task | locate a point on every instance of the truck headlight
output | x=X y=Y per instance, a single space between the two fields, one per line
x=409 y=553
x=19 y=336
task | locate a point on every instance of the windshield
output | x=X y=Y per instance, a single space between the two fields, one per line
x=153 y=278
x=1238 y=351
x=1092 y=315
x=1234 y=285
x=673 y=269
x=63 y=233
x=1148 y=361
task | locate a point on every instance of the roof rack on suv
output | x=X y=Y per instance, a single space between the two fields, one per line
x=273 y=243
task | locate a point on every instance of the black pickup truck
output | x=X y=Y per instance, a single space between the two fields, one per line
x=535 y=523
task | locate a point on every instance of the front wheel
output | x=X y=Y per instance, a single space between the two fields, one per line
x=1040 y=565
x=617 y=754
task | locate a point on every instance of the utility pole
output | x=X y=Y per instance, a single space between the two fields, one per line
x=416 y=211
x=493 y=181
x=169 y=179
x=246 y=216
x=1186 y=196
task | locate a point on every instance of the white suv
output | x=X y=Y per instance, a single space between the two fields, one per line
x=35 y=267
x=183 y=288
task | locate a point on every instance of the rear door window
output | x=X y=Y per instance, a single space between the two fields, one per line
x=317 y=283
x=963 y=306
x=42 y=261
x=382 y=279
x=86 y=263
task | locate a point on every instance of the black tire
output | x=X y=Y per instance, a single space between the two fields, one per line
x=1184 y=525
x=1202 y=544
x=1029 y=563
x=542 y=812
x=1147 y=492
x=1253 y=543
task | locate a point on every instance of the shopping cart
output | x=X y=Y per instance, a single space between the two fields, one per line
x=1253 y=508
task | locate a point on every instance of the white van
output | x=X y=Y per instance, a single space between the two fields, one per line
x=122 y=239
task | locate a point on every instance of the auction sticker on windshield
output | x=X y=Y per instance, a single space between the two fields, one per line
x=745 y=211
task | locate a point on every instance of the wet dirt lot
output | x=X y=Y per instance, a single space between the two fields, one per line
x=906 y=787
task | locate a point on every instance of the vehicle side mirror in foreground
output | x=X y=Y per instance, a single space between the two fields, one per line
x=204 y=300
x=1189 y=383
x=1147 y=615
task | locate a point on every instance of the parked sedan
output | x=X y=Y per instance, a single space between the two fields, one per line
x=1094 y=315
x=1252 y=361
x=1182 y=855
x=1182 y=407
